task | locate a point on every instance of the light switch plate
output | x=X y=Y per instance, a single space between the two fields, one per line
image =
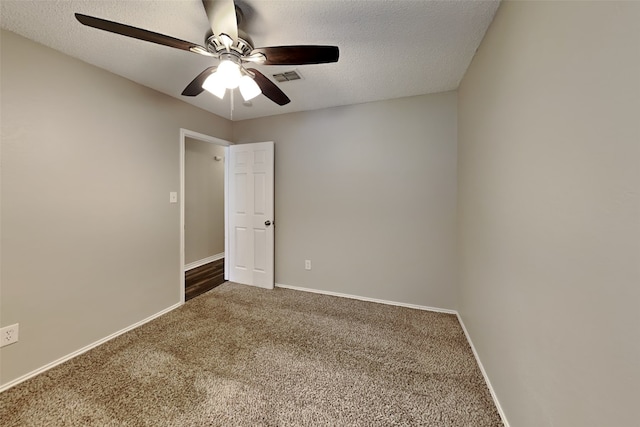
x=173 y=197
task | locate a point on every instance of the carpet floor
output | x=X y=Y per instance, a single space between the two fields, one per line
x=244 y=356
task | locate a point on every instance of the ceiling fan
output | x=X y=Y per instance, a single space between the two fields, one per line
x=233 y=47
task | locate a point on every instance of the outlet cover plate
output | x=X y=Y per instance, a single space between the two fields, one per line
x=9 y=335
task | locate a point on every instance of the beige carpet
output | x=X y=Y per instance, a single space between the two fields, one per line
x=242 y=356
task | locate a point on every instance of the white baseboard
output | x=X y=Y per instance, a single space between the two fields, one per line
x=203 y=261
x=484 y=373
x=380 y=301
x=69 y=356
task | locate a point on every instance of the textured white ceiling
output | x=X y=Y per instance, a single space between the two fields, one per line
x=388 y=49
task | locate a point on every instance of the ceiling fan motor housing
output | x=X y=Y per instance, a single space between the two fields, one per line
x=243 y=45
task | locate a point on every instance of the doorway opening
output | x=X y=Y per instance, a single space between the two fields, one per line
x=203 y=217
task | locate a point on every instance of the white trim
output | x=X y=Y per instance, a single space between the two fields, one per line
x=484 y=373
x=84 y=349
x=203 y=261
x=184 y=133
x=226 y=211
x=380 y=301
x=202 y=137
x=181 y=281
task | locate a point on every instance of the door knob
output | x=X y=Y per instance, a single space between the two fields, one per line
x=267 y=223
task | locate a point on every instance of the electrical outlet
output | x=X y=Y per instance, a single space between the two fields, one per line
x=9 y=335
x=307 y=264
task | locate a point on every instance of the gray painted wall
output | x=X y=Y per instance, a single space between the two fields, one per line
x=368 y=193
x=204 y=200
x=90 y=243
x=549 y=211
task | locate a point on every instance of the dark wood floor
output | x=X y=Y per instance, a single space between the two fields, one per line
x=202 y=279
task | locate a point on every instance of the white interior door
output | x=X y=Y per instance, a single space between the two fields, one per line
x=250 y=214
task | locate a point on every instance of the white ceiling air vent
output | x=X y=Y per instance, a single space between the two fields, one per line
x=287 y=76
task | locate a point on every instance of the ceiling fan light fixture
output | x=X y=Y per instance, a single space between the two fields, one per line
x=215 y=85
x=229 y=73
x=249 y=89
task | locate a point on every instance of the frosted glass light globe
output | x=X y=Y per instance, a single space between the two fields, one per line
x=215 y=85
x=229 y=73
x=249 y=89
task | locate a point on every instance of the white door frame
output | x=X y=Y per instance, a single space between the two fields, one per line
x=184 y=134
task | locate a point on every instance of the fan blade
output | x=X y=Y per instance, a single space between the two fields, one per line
x=140 y=34
x=298 y=55
x=222 y=17
x=195 y=87
x=269 y=89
